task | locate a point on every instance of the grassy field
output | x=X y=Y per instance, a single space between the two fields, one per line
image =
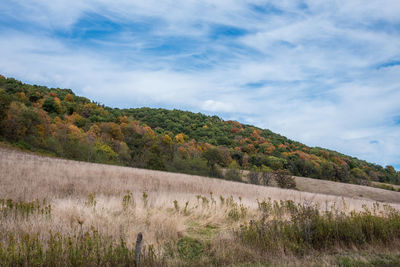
x=77 y=213
x=347 y=190
x=377 y=192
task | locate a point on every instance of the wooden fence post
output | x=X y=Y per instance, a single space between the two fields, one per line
x=138 y=248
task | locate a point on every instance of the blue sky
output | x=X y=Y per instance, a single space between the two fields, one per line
x=326 y=73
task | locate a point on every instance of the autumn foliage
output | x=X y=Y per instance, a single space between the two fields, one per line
x=58 y=122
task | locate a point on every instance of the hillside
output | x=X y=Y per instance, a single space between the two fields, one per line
x=57 y=122
x=57 y=212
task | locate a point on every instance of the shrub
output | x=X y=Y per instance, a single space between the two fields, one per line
x=145 y=198
x=284 y=179
x=253 y=177
x=233 y=175
x=176 y=205
x=195 y=166
x=91 y=202
x=237 y=212
x=385 y=186
x=216 y=172
x=9 y=207
x=266 y=178
x=127 y=200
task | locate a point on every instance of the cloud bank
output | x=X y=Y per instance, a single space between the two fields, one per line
x=326 y=73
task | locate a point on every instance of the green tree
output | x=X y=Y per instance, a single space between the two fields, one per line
x=213 y=157
x=49 y=105
x=5 y=102
x=20 y=122
x=104 y=153
x=275 y=163
x=155 y=160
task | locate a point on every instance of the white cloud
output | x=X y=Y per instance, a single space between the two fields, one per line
x=217 y=106
x=316 y=75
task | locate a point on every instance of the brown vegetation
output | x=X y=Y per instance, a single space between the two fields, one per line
x=120 y=202
x=347 y=190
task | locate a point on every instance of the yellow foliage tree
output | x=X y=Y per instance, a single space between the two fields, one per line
x=181 y=138
x=166 y=139
x=69 y=98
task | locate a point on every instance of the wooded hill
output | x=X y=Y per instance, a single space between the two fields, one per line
x=56 y=121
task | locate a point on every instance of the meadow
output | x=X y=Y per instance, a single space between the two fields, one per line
x=57 y=212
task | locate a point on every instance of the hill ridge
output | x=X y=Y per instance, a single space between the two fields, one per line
x=59 y=122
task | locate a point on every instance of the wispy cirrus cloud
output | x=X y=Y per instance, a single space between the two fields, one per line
x=322 y=72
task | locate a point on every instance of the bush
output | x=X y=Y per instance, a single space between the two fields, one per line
x=266 y=178
x=385 y=186
x=195 y=166
x=284 y=179
x=155 y=162
x=233 y=175
x=216 y=172
x=254 y=177
x=23 y=145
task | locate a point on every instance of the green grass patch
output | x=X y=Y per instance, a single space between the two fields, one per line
x=190 y=249
x=379 y=260
x=202 y=232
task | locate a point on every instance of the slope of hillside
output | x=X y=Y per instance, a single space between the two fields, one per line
x=43 y=175
x=58 y=122
x=69 y=213
x=346 y=190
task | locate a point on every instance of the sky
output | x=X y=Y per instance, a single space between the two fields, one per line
x=325 y=73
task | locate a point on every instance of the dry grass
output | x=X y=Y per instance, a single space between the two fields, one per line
x=67 y=184
x=347 y=190
x=27 y=176
x=397 y=187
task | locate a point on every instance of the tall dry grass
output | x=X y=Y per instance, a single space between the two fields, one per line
x=27 y=176
x=163 y=206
